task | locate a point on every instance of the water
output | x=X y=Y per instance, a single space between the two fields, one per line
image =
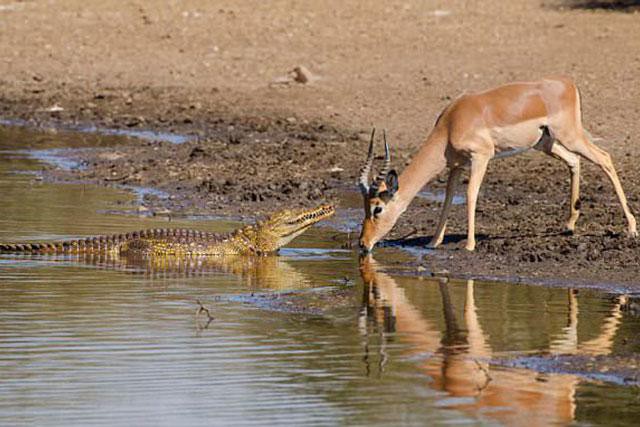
x=108 y=341
x=148 y=135
x=457 y=199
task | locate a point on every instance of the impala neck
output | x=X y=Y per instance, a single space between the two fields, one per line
x=424 y=167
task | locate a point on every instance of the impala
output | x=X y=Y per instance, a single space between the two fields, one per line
x=507 y=120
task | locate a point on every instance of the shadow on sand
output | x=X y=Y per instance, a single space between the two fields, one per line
x=613 y=5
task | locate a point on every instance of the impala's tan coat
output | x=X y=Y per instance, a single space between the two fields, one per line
x=477 y=127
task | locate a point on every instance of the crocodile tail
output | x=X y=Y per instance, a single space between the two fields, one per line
x=13 y=247
x=68 y=246
x=113 y=242
x=88 y=245
x=28 y=247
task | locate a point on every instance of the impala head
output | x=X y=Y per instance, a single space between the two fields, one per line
x=380 y=211
x=284 y=226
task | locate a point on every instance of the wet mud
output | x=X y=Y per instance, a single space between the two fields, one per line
x=251 y=169
x=521 y=218
x=255 y=167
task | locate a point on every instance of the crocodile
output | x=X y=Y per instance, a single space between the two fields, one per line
x=260 y=239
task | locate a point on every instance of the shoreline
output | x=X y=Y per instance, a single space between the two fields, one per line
x=220 y=187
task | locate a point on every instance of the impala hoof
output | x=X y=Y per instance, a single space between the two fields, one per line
x=432 y=245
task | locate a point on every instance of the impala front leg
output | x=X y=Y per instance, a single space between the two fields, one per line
x=454 y=174
x=479 y=164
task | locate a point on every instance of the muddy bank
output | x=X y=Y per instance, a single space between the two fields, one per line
x=522 y=210
x=242 y=168
x=248 y=167
x=256 y=144
x=244 y=164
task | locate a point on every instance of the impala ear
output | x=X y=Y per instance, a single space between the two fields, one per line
x=391 y=181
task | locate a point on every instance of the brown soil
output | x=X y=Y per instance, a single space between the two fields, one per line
x=219 y=72
x=250 y=168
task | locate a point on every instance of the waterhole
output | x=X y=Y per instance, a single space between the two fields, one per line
x=313 y=336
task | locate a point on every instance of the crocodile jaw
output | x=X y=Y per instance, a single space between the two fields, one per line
x=283 y=227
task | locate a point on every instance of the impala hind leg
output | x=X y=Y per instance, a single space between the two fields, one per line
x=597 y=155
x=573 y=162
x=452 y=183
x=479 y=164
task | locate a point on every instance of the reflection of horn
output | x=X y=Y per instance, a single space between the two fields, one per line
x=363 y=182
x=376 y=307
x=363 y=325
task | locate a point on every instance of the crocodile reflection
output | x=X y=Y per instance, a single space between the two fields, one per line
x=273 y=272
x=458 y=357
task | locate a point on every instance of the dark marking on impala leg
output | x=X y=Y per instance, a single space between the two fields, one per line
x=577 y=204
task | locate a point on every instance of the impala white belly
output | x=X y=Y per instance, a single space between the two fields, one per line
x=514 y=139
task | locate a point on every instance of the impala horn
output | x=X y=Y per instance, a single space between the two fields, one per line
x=363 y=182
x=385 y=166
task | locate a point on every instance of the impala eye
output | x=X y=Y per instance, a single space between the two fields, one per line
x=376 y=211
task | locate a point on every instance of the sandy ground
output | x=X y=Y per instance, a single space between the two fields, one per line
x=221 y=72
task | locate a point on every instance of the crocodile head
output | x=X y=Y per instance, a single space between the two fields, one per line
x=284 y=226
